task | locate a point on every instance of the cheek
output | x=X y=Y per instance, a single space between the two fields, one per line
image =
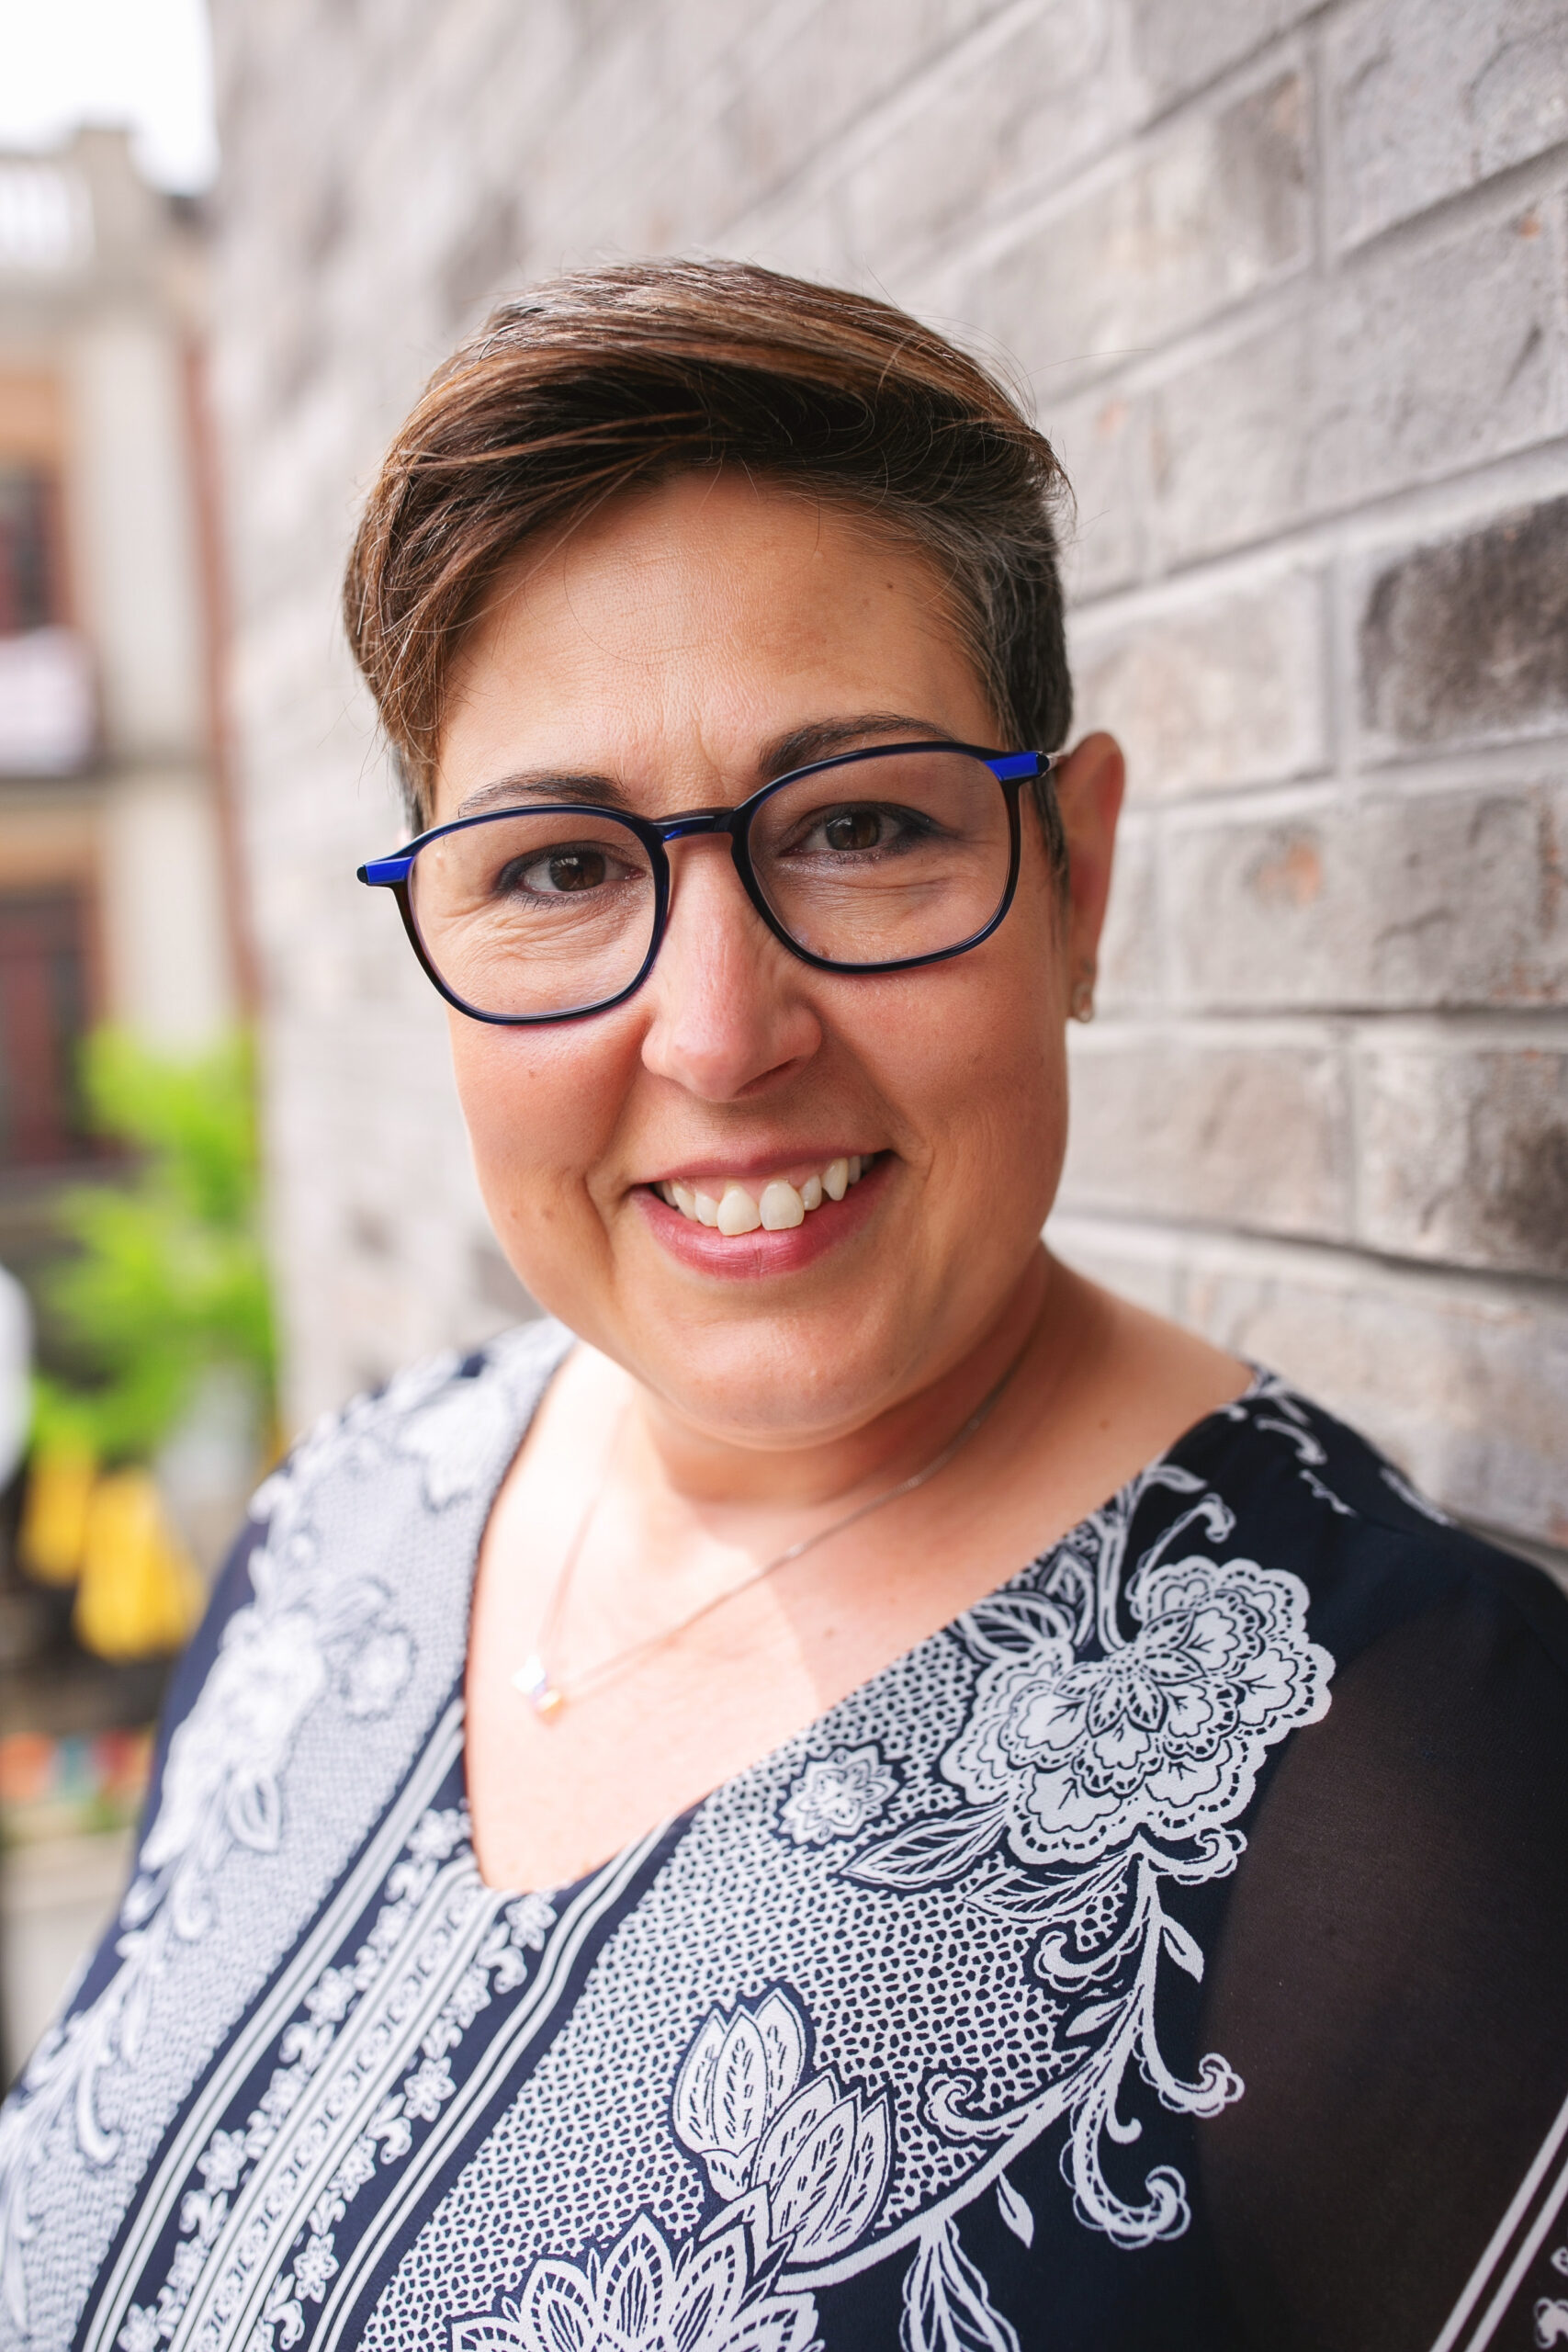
x=539 y=1106
x=972 y=1054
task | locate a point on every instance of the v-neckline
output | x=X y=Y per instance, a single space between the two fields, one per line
x=659 y=1833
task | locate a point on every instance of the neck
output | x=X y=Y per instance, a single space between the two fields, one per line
x=1040 y=1330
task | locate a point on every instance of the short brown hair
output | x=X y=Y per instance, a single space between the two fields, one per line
x=595 y=383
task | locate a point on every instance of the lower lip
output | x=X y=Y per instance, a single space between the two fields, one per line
x=754 y=1257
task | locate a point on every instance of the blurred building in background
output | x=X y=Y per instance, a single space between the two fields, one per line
x=116 y=893
x=113 y=900
x=1287 y=281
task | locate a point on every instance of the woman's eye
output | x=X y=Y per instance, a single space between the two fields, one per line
x=861 y=829
x=557 y=873
x=854 y=829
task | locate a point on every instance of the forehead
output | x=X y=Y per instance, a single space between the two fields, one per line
x=691 y=623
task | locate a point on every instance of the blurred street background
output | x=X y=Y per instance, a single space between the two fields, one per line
x=136 y=1401
x=1288 y=285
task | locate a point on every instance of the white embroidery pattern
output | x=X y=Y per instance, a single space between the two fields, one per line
x=1099 y=1728
x=306 y=1630
x=947 y=2307
x=1290 y=1421
x=807 y=2165
x=800 y=2167
x=643 y=2298
x=1090 y=1768
x=806 y=2162
x=1165 y=1733
x=837 y=1795
x=1115 y=1730
x=310 y=1633
x=436 y=1945
x=1551 y=2310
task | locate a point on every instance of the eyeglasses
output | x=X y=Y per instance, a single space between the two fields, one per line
x=875 y=861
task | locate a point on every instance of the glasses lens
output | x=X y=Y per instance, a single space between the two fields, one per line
x=534 y=914
x=881 y=862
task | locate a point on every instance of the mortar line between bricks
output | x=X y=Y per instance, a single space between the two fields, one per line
x=1313 y=1028
x=1298 y=799
x=1497 y=194
x=1379 y=508
x=1322 y=145
x=1434 y=1277
x=1338 y=680
x=1395 y=521
x=1556 y=230
x=1353 y=1078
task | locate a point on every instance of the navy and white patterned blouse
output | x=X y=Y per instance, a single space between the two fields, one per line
x=1169 y=1953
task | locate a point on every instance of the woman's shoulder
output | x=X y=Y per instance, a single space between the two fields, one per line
x=1321 y=1500
x=446 y=1414
x=370 y=1522
x=1387 y=1978
x=314 y=1714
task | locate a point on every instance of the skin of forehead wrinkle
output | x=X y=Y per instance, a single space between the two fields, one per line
x=817 y=740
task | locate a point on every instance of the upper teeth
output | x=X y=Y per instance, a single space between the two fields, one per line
x=775 y=1204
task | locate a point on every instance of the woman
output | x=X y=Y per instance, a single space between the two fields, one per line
x=854 y=1790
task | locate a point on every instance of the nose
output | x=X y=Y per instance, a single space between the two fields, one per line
x=728 y=1010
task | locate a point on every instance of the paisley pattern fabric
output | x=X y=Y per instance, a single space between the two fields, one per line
x=914 y=2033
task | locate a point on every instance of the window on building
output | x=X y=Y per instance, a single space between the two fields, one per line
x=31 y=586
x=44 y=1016
x=48 y=707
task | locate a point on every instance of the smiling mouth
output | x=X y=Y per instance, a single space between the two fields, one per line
x=774 y=1205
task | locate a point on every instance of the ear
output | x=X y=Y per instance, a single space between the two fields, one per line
x=1090 y=784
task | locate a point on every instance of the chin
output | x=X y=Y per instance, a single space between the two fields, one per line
x=773 y=1379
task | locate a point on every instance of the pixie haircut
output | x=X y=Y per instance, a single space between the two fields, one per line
x=610 y=378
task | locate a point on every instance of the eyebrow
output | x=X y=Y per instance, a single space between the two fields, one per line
x=818 y=740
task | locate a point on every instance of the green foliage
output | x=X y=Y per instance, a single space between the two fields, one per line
x=168 y=1277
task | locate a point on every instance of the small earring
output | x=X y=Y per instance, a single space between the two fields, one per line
x=1080 y=1004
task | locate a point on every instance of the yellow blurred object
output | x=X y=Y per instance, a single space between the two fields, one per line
x=54 y=1513
x=141 y=1593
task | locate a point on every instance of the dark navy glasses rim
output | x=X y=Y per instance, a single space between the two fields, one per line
x=1011 y=770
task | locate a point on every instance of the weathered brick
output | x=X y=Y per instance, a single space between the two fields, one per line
x=1215 y=207
x=1419 y=902
x=1222 y=690
x=1002 y=119
x=1391 y=376
x=1179 y=46
x=1468 y=641
x=1465 y=1388
x=1426 y=97
x=1250 y=1134
x=829 y=66
x=385 y=1262
x=1103 y=443
x=1466 y=1155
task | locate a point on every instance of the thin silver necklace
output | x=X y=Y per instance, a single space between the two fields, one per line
x=547 y=1690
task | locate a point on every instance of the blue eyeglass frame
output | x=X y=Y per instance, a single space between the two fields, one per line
x=1013 y=771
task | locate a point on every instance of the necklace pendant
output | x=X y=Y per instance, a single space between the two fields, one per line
x=533 y=1679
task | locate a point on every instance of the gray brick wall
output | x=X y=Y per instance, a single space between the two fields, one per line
x=1288 y=286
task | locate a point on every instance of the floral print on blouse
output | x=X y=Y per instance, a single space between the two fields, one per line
x=1085 y=1980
